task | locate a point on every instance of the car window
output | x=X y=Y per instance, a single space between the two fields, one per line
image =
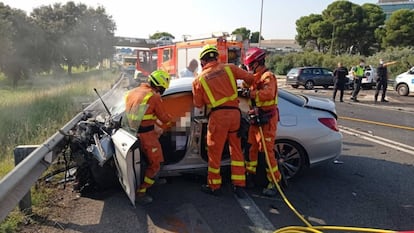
x=307 y=71
x=293 y=71
x=327 y=72
x=317 y=71
x=292 y=98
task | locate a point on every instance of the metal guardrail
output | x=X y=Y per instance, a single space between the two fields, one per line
x=18 y=182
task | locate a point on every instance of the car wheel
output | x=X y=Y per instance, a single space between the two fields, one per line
x=402 y=89
x=291 y=157
x=309 y=85
x=295 y=86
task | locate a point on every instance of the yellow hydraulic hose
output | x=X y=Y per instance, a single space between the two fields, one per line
x=308 y=228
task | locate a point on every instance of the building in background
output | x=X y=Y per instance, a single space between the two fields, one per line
x=389 y=6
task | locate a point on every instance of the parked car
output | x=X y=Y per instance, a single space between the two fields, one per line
x=309 y=77
x=307 y=135
x=165 y=40
x=369 y=79
x=404 y=83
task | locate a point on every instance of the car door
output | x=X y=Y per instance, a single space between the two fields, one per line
x=128 y=161
x=327 y=77
x=317 y=76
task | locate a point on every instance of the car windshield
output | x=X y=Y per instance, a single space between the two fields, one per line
x=293 y=71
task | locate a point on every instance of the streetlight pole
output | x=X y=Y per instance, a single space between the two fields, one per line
x=333 y=36
x=261 y=17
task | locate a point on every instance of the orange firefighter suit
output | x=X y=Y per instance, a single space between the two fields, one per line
x=136 y=99
x=264 y=93
x=216 y=87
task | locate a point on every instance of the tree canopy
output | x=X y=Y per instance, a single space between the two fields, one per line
x=342 y=27
x=52 y=36
x=158 y=35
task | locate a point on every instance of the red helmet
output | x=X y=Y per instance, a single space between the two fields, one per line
x=253 y=55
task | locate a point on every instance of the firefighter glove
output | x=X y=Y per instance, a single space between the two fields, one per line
x=246 y=92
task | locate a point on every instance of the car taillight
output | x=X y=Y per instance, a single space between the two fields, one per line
x=330 y=123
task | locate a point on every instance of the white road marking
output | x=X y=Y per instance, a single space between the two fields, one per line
x=379 y=140
x=261 y=223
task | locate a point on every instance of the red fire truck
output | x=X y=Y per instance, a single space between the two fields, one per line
x=175 y=57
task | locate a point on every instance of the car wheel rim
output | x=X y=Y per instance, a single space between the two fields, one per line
x=309 y=85
x=289 y=159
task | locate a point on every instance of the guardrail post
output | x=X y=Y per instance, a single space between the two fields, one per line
x=20 y=153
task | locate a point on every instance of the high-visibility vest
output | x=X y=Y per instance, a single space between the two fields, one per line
x=134 y=116
x=359 y=71
x=213 y=102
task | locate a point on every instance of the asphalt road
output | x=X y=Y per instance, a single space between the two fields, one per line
x=370 y=186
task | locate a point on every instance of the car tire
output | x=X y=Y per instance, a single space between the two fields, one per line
x=309 y=85
x=292 y=161
x=402 y=89
x=295 y=86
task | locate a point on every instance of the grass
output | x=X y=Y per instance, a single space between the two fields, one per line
x=35 y=110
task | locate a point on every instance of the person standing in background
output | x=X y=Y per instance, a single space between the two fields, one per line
x=339 y=81
x=190 y=71
x=358 y=73
x=382 y=81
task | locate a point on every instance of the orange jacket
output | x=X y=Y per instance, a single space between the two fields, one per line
x=264 y=88
x=155 y=107
x=220 y=84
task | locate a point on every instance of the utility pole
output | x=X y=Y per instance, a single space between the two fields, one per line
x=261 y=17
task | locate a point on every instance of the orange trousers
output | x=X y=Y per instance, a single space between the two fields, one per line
x=223 y=125
x=255 y=139
x=153 y=151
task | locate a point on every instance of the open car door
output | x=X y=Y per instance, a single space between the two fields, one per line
x=128 y=161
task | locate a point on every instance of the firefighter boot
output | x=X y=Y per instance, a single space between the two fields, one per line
x=206 y=189
x=143 y=199
x=240 y=193
x=270 y=190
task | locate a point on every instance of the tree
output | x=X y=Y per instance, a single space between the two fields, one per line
x=399 y=29
x=305 y=36
x=23 y=41
x=254 y=38
x=244 y=32
x=158 y=35
x=77 y=35
x=373 y=22
x=346 y=19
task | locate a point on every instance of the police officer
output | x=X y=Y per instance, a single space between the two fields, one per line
x=358 y=72
x=382 y=81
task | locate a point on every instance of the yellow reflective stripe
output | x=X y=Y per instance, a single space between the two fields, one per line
x=237 y=163
x=149 y=180
x=252 y=163
x=238 y=177
x=274 y=169
x=135 y=117
x=265 y=103
x=213 y=102
x=214 y=170
x=143 y=190
x=251 y=169
x=214 y=181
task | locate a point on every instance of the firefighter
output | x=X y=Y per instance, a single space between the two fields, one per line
x=216 y=88
x=146 y=99
x=263 y=102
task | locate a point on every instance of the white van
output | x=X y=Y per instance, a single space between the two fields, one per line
x=404 y=83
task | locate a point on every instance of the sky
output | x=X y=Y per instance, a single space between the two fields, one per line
x=142 y=18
